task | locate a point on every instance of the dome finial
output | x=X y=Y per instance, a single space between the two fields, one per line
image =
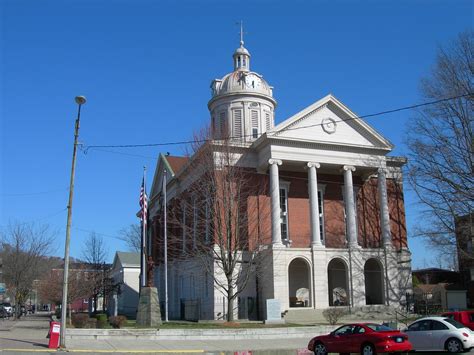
x=241 y=55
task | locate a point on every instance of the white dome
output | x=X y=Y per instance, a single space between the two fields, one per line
x=241 y=82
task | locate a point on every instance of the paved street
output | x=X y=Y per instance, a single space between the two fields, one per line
x=29 y=335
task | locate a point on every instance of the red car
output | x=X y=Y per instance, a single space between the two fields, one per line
x=363 y=338
x=463 y=317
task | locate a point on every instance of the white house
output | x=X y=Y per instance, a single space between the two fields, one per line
x=125 y=271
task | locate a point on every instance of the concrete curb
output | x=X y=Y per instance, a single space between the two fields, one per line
x=198 y=334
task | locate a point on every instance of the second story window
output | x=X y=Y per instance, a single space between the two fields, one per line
x=284 y=187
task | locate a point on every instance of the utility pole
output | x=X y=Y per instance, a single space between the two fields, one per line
x=80 y=100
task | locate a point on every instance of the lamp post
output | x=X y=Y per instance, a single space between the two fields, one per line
x=80 y=100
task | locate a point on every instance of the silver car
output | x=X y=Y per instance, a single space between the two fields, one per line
x=440 y=334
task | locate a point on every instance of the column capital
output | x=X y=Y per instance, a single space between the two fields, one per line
x=349 y=167
x=274 y=161
x=382 y=171
x=312 y=164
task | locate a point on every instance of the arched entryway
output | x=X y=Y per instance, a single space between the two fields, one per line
x=373 y=276
x=299 y=283
x=337 y=283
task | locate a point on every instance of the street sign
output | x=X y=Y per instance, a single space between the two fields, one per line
x=3 y=288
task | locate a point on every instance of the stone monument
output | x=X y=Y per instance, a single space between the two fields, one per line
x=273 y=312
x=148 y=313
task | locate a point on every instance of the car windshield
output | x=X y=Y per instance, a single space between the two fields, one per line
x=454 y=323
x=379 y=327
x=7 y=304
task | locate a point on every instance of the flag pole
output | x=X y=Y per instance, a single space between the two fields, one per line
x=165 y=233
x=143 y=236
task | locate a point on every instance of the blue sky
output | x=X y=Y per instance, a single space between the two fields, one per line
x=145 y=67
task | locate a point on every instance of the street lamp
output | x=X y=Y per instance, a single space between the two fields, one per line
x=80 y=100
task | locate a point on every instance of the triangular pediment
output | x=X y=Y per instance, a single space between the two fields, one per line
x=330 y=121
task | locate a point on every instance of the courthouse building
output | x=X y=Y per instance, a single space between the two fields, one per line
x=337 y=221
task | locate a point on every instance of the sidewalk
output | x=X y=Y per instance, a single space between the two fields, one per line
x=28 y=335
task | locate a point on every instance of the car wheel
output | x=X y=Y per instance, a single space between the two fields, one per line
x=368 y=349
x=320 y=349
x=453 y=345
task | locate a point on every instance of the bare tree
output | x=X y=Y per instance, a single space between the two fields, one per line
x=94 y=254
x=50 y=287
x=24 y=247
x=440 y=140
x=221 y=211
x=132 y=236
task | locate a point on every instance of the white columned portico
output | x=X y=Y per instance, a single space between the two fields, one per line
x=275 y=200
x=350 y=206
x=384 y=212
x=313 y=204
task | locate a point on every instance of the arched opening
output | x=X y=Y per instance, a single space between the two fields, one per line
x=299 y=283
x=373 y=276
x=337 y=283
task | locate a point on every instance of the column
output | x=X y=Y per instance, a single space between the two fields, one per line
x=384 y=212
x=275 y=198
x=313 y=204
x=350 y=207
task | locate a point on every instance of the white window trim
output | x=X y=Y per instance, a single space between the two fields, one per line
x=322 y=190
x=285 y=185
x=194 y=222
x=183 y=206
x=207 y=222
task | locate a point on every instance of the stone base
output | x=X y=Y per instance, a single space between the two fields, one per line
x=149 y=314
x=274 y=321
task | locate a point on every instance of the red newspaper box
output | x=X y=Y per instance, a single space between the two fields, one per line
x=54 y=331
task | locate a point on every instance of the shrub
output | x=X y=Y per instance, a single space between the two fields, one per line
x=79 y=320
x=91 y=323
x=118 y=321
x=333 y=314
x=101 y=320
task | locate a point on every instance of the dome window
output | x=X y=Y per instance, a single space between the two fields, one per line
x=254 y=118
x=237 y=124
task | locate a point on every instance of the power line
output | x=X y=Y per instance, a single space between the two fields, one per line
x=404 y=108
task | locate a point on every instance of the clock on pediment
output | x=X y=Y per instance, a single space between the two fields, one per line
x=329 y=125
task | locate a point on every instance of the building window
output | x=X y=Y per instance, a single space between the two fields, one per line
x=254 y=119
x=237 y=124
x=268 y=122
x=207 y=222
x=245 y=62
x=284 y=187
x=184 y=226
x=238 y=62
x=222 y=124
x=321 y=214
x=195 y=221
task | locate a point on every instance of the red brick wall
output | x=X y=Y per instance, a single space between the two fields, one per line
x=299 y=224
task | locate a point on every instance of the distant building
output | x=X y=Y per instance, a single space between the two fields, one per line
x=435 y=275
x=331 y=210
x=125 y=272
x=464 y=227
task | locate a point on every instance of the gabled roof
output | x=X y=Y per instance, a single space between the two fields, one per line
x=127 y=259
x=176 y=163
x=172 y=164
x=329 y=121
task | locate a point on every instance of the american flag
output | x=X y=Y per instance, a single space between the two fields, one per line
x=143 y=203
